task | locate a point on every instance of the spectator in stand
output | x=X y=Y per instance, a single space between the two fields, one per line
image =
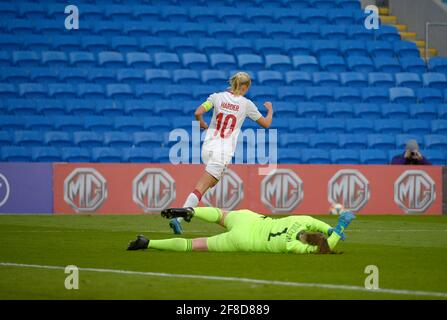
x=411 y=156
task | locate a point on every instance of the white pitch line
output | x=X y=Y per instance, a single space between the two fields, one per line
x=236 y=279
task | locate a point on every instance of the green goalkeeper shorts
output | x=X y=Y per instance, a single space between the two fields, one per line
x=239 y=224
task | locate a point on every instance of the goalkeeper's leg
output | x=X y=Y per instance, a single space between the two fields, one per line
x=208 y=214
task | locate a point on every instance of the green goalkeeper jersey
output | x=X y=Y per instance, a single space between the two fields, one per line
x=280 y=235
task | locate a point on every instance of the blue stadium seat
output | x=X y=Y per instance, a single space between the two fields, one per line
x=333 y=126
x=130 y=76
x=32 y=90
x=129 y=124
x=119 y=91
x=278 y=62
x=49 y=107
x=402 y=139
x=387 y=33
x=147 y=13
x=261 y=15
x=74 y=154
x=325 y=79
x=67 y=123
x=315 y=156
x=59 y=139
x=93 y=12
x=367 y=110
x=43 y=75
x=322 y=48
x=438 y=64
x=352 y=48
x=333 y=32
x=436 y=141
x=54 y=59
x=94 y=44
x=408 y=79
x=429 y=95
x=269 y=46
x=107 y=28
x=381 y=79
x=419 y=126
x=196 y=61
x=381 y=141
x=380 y=49
x=319 y=94
x=21 y=107
x=82 y=59
x=360 y=64
x=91 y=91
x=118 y=12
x=137 y=155
x=158 y=76
x=406 y=49
x=373 y=157
x=293 y=140
x=182 y=45
x=28 y=138
x=333 y=64
x=199 y=13
x=109 y=107
x=25 y=58
x=111 y=59
x=11 y=42
x=341 y=17
x=395 y=111
x=87 y=139
x=297 y=48
x=299 y=78
x=16 y=154
x=124 y=44
x=221 y=31
x=439 y=127
x=21 y=27
x=345 y=156
x=311 y=109
x=284 y=109
x=102 y=75
x=214 y=77
x=34 y=42
x=314 y=16
x=348 y=4
x=339 y=110
x=413 y=64
x=353 y=79
x=151 y=45
x=5 y=139
x=387 y=64
x=237 y=46
x=186 y=77
x=388 y=126
x=222 y=61
x=167 y=61
x=305 y=63
x=436 y=157
x=286 y=155
x=323 y=141
x=402 y=95
x=104 y=154
x=161 y=155
x=352 y=141
x=351 y=95
x=178 y=92
x=211 y=46
x=62 y=91
x=303 y=126
x=423 y=111
x=435 y=80
x=262 y=93
x=80 y=107
x=138 y=108
x=359 y=126
x=73 y=75
x=251 y=62
x=375 y=95
x=156 y=124
x=8 y=91
x=149 y=91
x=15 y=74
x=231 y=15
x=147 y=139
x=270 y=78
x=280 y=31
x=360 y=33
x=46 y=154
x=249 y=31
x=98 y=123
x=174 y=14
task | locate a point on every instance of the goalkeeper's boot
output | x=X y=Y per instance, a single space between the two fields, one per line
x=343 y=222
x=185 y=213
x=342 y=236
x=141 y=242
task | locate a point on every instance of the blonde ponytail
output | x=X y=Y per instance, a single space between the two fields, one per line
x=238 y=80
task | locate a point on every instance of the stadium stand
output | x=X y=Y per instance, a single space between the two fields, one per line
x=136 y=70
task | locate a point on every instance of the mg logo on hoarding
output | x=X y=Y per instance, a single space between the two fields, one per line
x=227 y=193
x=414 y=191
x=4 y=190
x=350 y=188
x=282 y=191
x=85 y=189
x=153 y=189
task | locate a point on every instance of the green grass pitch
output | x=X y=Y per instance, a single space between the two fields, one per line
x=410 y=252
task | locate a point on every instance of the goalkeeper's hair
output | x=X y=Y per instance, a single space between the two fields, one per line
x=238 y=80
x=317 y=239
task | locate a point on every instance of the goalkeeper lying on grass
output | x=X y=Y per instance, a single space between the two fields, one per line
x=249 y=231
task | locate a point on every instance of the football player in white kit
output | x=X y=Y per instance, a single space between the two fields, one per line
x=230 y=110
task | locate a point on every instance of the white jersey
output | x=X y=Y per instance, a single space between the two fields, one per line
x=228 y=115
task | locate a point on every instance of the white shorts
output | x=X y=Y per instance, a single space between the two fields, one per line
x=216 y=162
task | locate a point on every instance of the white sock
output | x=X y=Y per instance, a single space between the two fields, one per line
x=191 y=201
